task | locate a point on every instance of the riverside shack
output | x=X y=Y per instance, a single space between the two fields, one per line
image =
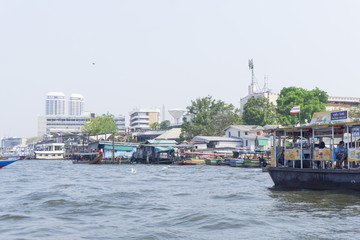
x=155 y=151
x=121 y=149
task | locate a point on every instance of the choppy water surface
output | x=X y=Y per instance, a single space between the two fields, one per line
x=60 y=200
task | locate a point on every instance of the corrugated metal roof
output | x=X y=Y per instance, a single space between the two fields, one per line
x=150 y=133
x=171 y=134
x=208 y=139
x=253 y=137
x=249 y=128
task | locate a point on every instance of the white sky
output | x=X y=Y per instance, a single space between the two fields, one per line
x=152 y=53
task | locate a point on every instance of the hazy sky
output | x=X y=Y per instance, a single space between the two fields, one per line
x=152 y=53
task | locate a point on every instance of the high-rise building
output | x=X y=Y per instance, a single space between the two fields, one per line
x=55 y=103
x=76 y=104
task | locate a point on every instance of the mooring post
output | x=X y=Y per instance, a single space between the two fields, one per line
x=113 y=149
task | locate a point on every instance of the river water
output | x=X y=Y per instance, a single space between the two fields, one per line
x=61 y=200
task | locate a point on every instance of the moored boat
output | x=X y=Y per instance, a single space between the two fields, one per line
x=87 y=158
x=50 y=151
x=215 y=161
x=245 y=163
x=194 y=161
x=7 y=160
x=247 y=159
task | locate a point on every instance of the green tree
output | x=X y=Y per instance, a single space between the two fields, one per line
x=165 y=125
x=130 y=138
x=310 y=101
x=154 y=126
x=259 y=111
x=209 y=117
x=100 y=125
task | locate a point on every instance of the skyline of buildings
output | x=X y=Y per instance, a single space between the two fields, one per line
x=56 y=119
x=55 y=104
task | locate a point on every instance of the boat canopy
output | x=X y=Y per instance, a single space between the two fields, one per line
x=120 y=148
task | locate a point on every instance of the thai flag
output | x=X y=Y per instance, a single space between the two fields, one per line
x=295 y=109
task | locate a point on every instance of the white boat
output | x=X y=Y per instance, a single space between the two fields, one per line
x=51 y=151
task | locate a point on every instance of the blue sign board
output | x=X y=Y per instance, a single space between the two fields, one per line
x=341 y=115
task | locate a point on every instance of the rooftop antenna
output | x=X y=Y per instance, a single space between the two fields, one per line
x=266 y=83
x=251 y=67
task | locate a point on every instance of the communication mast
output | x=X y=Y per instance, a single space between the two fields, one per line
x=253 y=87
x=266 y=83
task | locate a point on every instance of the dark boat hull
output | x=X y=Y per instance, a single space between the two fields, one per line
x=317 y=179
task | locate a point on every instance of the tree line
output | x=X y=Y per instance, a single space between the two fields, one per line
x=209 y=117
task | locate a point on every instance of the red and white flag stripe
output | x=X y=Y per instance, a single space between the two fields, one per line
x=295 y=109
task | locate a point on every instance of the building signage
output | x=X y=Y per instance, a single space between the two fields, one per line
x=341 y=115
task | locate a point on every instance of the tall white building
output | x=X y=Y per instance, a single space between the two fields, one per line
x=55 y=103
x=76 y=104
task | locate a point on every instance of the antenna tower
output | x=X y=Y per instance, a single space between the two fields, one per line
x=254 y=86
x=266 y=84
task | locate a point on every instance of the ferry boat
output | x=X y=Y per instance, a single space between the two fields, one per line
x=300 y=163
x=50 y=151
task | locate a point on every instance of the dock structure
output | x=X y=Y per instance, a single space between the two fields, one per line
x=156 y=152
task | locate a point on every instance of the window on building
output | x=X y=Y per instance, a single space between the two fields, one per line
x=238 y=133
x=229 y=134
x=246 y=142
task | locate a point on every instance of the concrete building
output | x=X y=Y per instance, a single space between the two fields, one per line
x=251 y=136
x=342 y=103
x=211 y=143
x=7 y=144
x=141 y=119
x=76 y=104
x=70 y=124
x=272 y=97
x=55 y=103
